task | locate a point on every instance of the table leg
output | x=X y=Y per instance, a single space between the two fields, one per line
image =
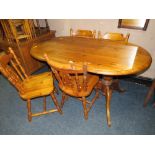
x=107 y=81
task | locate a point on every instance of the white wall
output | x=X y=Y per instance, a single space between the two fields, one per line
x=145 y=39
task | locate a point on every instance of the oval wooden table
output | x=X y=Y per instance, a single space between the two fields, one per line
x=109 y=58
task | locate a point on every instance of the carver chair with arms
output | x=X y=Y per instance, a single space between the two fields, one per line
x=28 y=87
x=75 y=81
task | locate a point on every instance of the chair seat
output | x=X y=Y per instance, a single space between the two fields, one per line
x=72 y=90
x=37 y=85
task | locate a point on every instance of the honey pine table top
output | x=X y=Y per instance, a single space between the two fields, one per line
x=112 y=58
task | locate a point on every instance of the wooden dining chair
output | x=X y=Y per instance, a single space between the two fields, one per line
x=28 y=87
x=75 y=82
x=114 y=36
x=83 y=33
x=149 y=94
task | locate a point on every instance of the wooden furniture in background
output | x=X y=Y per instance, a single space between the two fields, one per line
x=21 y=35
x=149 y=94
x=2 y=35
x=103 y=57
x=114 y=36
x=29 y=87
x=75 y=82
x=16 y=30
x=83 y=33
x=39 y=29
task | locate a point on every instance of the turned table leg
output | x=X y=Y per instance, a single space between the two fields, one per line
x=107 y=81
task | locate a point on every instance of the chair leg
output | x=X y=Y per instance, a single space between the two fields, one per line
x=63 y=99
x=44 y=106
x=91 y=103
x=56 y=102
x=85 y=108
x=56 y=91
x=29 y=110
x=97 y=92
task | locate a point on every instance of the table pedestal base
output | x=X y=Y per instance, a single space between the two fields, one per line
x=107 y=85
x=116 y=86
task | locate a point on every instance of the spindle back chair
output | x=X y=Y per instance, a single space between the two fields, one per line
x=75 y=81
x=29 y=87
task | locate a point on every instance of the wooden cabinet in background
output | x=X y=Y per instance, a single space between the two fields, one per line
x=31 y=64
x=22 y=46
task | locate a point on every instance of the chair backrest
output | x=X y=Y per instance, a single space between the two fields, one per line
x=11 y=68
x=74 y=78
x=83 y=33
x=114 y=36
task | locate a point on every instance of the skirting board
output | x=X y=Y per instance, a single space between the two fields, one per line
x=139 y=80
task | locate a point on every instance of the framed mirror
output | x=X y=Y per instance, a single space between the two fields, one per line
x=140 y=24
